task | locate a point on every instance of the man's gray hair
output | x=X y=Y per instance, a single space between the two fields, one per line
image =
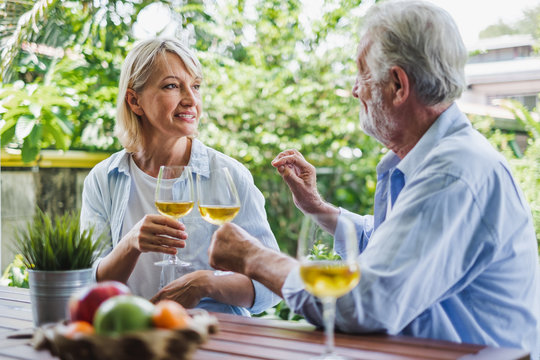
x=136 y=70
x=424 y=40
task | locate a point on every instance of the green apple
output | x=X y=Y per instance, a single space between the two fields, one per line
x=123 y=313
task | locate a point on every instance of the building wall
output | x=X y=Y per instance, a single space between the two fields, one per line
x=54 y=190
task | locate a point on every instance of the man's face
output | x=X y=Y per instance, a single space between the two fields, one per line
x=374 y=113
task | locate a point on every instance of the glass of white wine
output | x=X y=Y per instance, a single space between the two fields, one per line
x=328 y=272
x=218 y=199
x=174 y=198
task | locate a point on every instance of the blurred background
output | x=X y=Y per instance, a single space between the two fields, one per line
x=278 y=75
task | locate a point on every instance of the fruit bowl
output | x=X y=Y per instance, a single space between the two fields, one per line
x=155 y=344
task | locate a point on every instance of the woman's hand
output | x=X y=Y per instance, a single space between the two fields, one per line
x=187 y=290
x=154 y=233
x=157 y=233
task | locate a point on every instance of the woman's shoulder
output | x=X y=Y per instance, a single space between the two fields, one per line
x=114 y=161
x=218 y=159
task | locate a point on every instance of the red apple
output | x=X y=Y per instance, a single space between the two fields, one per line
x=83 y=305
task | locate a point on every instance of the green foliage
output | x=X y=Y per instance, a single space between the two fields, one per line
x=321 y=251
x=35 y=117
x=527 y=24
x=526 y=168
x=53 y=245
x=272 y=82
x=525 y=165
x=280 y=311
x=16 y=274
x=289 y=89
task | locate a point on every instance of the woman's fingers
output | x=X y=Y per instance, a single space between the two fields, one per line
x=159 y=249
x=157 y=233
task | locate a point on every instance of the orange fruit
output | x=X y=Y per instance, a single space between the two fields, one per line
x=78 y=328
x=169 y=314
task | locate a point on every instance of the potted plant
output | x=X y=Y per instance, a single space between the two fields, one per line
x=59 y=259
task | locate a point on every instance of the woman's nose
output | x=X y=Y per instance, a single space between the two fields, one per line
x=187 y=97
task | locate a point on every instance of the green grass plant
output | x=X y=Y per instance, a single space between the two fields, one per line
x=57 y=244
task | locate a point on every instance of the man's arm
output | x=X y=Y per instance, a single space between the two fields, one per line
x=233 y=249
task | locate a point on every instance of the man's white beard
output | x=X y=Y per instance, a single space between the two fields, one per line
x=375 y=120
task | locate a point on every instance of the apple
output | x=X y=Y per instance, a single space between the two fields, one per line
x=123 y=313
x=84 y=304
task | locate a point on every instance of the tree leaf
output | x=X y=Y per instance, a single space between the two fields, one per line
x=24 y=126
x=29 y=151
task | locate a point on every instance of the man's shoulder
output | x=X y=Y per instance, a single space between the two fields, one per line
x=464 y=153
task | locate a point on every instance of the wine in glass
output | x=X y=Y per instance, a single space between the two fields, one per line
x=174 y=198
x=217 y=196
x=328 y=272
x=218 y=199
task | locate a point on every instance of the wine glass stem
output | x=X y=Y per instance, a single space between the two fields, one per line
x=329 y=315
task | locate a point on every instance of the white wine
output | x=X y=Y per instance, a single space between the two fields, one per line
x=329 y=278
x=218 y=215
x=174 y=209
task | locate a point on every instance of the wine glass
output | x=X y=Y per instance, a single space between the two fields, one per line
x=174 y=198
x=328 y=272
x=218 y=199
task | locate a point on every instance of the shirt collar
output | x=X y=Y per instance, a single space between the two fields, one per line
x=199 y=161
x=449 y=119
x=120 y=163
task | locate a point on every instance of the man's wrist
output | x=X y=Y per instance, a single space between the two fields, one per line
x=252 y=259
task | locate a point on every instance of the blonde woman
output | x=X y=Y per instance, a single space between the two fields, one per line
x=158 y=111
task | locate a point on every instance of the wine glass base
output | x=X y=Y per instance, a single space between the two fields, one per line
x=331 y=356
x=173 y=262
x=222 y=273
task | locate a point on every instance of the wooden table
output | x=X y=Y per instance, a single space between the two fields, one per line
x=243 y=338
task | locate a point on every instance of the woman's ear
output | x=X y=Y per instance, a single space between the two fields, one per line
x=400 y=85
x=133 y=102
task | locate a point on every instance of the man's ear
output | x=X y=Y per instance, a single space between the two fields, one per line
x=400 y=85
x=133 y=101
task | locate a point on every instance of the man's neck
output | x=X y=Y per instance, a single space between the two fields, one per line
x=413 y=124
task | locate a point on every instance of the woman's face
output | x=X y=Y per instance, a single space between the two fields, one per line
x=170 y=103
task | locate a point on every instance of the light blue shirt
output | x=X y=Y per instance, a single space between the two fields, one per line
x=105 y=198
x=455 y=258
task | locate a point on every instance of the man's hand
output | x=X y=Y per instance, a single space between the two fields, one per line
x=234 y=249
x=301 y=178
x=230 y=248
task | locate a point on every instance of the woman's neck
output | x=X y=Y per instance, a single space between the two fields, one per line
x=176 y=152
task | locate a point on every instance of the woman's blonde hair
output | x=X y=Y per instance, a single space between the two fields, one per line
x=136 y=70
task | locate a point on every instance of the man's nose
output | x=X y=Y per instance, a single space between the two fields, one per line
x=355 y=89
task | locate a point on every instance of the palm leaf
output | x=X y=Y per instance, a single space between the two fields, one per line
x=20 y=22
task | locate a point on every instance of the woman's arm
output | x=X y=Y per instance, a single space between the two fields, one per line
x=153 y=233
x=188 y=290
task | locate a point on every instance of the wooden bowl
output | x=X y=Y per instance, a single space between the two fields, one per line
x=152 y=344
